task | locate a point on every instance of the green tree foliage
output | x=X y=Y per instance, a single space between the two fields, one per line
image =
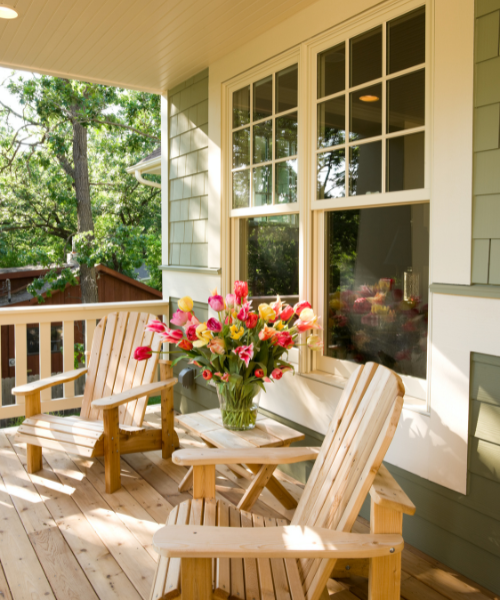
x=41 y=199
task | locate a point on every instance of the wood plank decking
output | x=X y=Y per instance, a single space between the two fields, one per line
x=62 y=537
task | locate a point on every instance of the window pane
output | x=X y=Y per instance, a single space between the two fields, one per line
x=378 y=277
x=269 y=257
x=263 y=142
x=263 y=98
x=262 y=186
x=331 y=122
x=286 y=182
x=331 y=71
x=331 y=174
x=241 y=148
x=366 y=57
x=365 y=169
x=405 y=162
x=366 y=112
x=241 y=189
x=406 y=102
x=241 y=107
x=287 y=82
x=406 y=41
x=286 y=136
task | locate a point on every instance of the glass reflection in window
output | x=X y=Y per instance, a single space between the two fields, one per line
x=263 y=142
x=366 y=112
x=269 y=257
x=365 y=169
x=377 y=290
x=331 y=71
x=263 y=98
x=241 y=189
x=241 y=107
x=331 y=174
x=286 y=181
x=286 y=135
x=331 y=122
x=287 y=82
x=262 y=185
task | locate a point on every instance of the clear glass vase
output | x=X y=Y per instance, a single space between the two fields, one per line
x=238 y=408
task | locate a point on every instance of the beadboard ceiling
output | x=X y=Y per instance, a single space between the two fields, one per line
x=144 y=44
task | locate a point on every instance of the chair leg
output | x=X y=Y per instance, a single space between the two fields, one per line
x=384 y=580
x=169 y=437
x=196 y=578
x=204 y=481
x=111 y=450
x=32 y=407
x=34 y=458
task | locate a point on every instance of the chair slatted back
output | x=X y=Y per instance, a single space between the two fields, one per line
x=113 y=368
x=356 y=442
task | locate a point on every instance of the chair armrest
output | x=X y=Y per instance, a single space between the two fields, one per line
x=42 y=384
x=234 y=456
x=292 y=541
x=133 y=394
x=385 y=491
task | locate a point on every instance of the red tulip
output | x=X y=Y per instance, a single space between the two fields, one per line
x=277 y=374
x=207 y=375
x=258 y=373
x=252 y=320
x=185 y=345
x=143 y=353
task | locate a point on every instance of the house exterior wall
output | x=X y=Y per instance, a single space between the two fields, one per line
x=188 y=172
x=486 y=206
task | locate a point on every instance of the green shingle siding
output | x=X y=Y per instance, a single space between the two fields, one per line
x=486 y=203
x=188 y=172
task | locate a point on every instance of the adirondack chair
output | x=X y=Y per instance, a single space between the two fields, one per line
x=264 y=558
x=114 y=403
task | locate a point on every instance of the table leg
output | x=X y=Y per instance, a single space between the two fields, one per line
x=187 y=482
x=252 y=493
x=277 y=489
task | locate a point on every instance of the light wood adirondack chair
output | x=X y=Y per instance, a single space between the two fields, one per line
x=114 y=401
x=264 y=558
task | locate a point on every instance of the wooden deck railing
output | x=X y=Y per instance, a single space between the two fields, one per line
x=68 y=314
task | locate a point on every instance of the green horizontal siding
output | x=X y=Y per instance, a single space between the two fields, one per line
x=463 y=530
x=486 y=202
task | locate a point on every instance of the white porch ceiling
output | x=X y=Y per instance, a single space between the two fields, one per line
x=150 y=45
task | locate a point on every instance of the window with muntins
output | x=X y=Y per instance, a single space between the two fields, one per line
x=370 y=110
x=264 y=141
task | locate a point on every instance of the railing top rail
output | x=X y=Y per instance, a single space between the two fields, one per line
x=60 y=312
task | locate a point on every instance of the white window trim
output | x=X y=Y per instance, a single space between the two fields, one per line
x=312 y=211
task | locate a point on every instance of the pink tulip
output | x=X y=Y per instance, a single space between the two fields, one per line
x=216 y=303
x=143 y=353
x=277 y=374
x=245 y=353
x=286 y=313
x=214 y=325
x=172 y=336
x=231 y=300
x=191 y=333
x=155 y=326
x=179 y=318
x=299 y=307
x=284 y=339
x=244 y=311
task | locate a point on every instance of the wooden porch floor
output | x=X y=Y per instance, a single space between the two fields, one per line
x=62 y=536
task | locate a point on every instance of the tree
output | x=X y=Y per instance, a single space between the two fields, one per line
x=62 y=175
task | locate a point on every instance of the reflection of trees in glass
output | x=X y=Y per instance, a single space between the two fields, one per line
x=241 y=148
x=241 y=188
x=343 y=238
x=331 y=174
x=286 y=136
x=286 y=181
x=353 y=168
x=273 y=255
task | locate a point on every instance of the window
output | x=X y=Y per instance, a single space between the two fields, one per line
x=358 y=198
x=269 y=257
x=377 y=265
x=264 y=141
x=370 y=109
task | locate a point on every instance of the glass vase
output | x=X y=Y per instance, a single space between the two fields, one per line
x=238 y=407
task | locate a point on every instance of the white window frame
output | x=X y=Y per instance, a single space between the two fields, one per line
x=311 y=211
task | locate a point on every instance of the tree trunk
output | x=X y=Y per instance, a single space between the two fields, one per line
x=88 y=280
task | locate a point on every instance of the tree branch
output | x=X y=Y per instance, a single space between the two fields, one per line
x=123 y=126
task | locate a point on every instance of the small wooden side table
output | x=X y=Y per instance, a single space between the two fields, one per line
x=268 y=433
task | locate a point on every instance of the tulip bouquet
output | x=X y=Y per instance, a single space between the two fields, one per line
x=241 y=350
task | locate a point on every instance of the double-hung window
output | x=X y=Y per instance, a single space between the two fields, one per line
x=361 y=189
x=264 y=172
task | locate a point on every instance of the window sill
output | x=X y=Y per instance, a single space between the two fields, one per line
x=414 y=404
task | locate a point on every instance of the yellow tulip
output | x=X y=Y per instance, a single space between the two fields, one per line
x=279 y=325
x=266 y=313
x=185 y=304
x=236 y=332
x=204 y=336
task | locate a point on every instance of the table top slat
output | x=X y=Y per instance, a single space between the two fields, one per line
x=197 y=422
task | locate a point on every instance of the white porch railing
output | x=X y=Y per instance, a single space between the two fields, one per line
x=21 y=316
